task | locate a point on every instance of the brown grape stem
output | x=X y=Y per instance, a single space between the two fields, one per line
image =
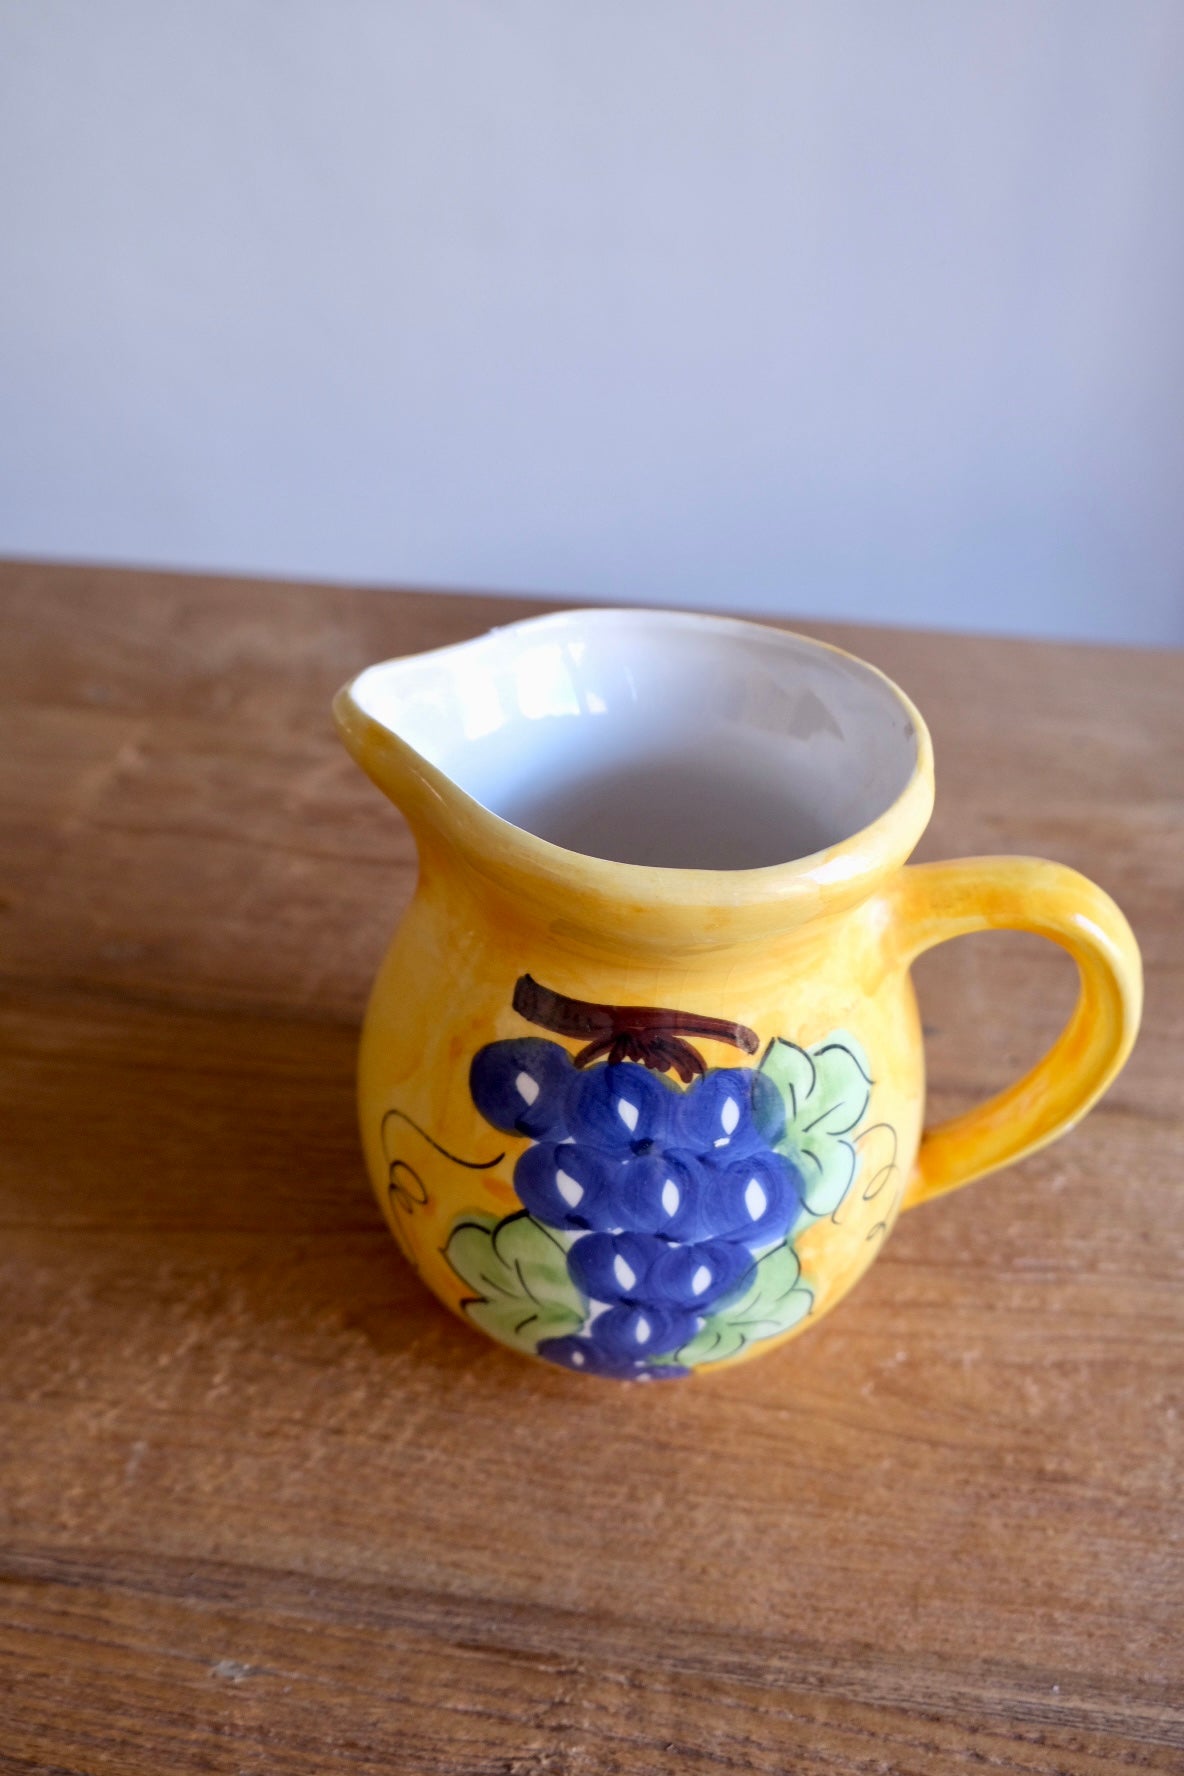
x=651 y=1035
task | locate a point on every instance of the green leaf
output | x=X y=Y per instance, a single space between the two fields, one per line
x=826 y=1091
x=793 y=1073
x=775 y=1300
x=842 y=1087
x=518 y=1271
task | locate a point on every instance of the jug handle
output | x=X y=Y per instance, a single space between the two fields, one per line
x=938 y=901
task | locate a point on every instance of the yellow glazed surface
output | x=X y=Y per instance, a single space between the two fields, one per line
x=813 y=957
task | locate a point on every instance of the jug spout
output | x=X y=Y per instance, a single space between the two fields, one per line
x=362 y=715
x=447 y=731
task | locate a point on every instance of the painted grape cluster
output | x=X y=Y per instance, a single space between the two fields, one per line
x=665 y=1196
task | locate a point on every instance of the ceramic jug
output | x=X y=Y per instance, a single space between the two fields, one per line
x=641 y=1080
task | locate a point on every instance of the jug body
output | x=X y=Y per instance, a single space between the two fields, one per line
x=700 y=1227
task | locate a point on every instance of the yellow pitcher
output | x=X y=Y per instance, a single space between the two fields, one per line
x=641 y=1080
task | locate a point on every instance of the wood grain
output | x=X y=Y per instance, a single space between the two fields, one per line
x=266 y=1507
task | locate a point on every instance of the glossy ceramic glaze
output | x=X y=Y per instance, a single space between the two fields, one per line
x=641 y=1081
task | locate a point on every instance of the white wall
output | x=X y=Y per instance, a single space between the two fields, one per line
x=807 y=306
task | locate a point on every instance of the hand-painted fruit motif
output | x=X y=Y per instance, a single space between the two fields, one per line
x=658 y=1218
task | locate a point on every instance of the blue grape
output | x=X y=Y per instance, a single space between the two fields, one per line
x=622 y=1107
x=660 y=1192
x=755 y=1200
x=698 y=1277
x=567 y=1185
x=583 y=1355
x=521 y=1086
x=631 y=1332
x=731 y=1111
x=615 y=1266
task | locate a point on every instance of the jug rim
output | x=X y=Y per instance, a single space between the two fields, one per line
x=542 y=874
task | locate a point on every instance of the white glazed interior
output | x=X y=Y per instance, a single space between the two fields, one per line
x=656 y=737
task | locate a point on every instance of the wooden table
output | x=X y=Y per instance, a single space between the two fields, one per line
x=266 y=1507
